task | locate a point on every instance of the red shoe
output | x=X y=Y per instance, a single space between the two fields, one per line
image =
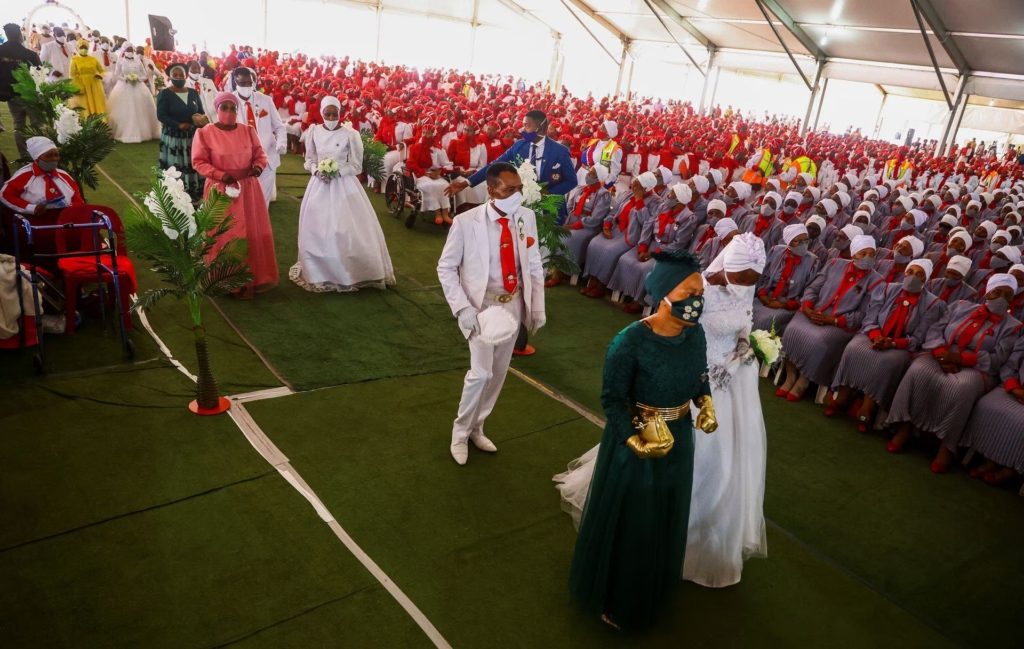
x=854 y=408
x=781 y=392
x=862 y=428
x=439 y=221
x=831 y=409
x=552 y=283
x=529 y=351
x=893 y=447
x=939 y=468
x=595 y=293
x=792 y=398
x=978 y=473
x=633 y=308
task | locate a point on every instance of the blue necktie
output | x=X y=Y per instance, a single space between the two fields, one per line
x=533 y=155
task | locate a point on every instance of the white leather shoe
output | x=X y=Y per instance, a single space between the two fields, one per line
x=460 y=451
x=481 y=442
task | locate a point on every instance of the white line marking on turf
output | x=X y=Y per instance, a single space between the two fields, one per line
x=266 y=448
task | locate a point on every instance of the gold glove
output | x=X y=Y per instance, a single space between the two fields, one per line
x=706 y=420
x=653 y=438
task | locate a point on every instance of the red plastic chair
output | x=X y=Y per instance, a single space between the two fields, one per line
x=80 y=271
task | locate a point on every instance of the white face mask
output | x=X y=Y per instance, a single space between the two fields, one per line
x=509 y=205
x=104 y=47
x=737 y=291
x=194 y=76
x=129 y=55
x=59 y=39
x=245 y=92
x=767 y=210
x=331 y=123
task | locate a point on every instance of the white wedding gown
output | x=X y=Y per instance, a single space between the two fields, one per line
x=341 y=244
x=131 y=111
x=727 y=503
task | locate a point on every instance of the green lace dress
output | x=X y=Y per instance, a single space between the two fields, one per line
x=632 y=538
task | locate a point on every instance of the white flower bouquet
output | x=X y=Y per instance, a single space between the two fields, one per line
x=767 y=345
x=132 y=78
x=328 y=169
x=531 y=189
x=66 y=124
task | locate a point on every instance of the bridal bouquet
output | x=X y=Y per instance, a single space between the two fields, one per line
x=328 y=169
x=132 y=78
x=767 y=345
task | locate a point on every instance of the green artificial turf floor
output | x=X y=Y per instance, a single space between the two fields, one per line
x=125 y=521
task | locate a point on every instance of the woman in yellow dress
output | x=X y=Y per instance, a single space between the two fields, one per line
x=87 y=73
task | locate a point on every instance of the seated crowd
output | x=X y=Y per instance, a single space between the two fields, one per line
x=894 y=277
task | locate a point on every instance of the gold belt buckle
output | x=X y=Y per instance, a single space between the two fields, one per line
x=505 y=299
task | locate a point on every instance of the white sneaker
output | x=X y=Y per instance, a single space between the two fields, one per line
x=481 y=442
x=460 y=451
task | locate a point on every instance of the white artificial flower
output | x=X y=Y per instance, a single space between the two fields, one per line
x=40 y=75
x=67 y=124
x=172 y=172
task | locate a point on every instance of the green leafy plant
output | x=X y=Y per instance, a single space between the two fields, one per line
x=177 y=239
x=373 y=156
x=551 y=235
x=83 y=142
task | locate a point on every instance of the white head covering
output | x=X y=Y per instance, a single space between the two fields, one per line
x=724 y=227
x=775 y=197
x=717 y=204
x=963 y=236
x=949 y=220
x=935 y=201
x=1014 y=231
x=830 y=206
x=602 y=173
x=851 y=231
x=925 y=265
x=816 y=220
x=906 y=202
x=1016 y=267
x=717 y=175
x=1001 y=279
x=867 y=205
x=843 y=188
x=39 y=145
x=742 y=190
x=862 y=242
x=791 y=232
x=920 y=218
x=682 y=192
x=611 y=127
x=1011 y=252
x=329 y=101
x=953 y=190
x=916 y=245
x=794 y=196
x=648 y=180
x=775 y=184
x=808 y=178
x=744 y=252
x=843 y=198
x=975 y=204
x=815 y=192
x=701 y=184
x=1002 y=233
x=666 y=174
x=871 y=192
x=852 y=178
x=860 y=213
x=960 y=264
x=989 y=227
x=988 y=198
x=883 y=191
x=956 y=209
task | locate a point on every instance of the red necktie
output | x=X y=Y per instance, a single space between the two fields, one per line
x=249 y=116
x=763 y=224
x=897 y=322
x=508 y=257
x=587 y=191
x=787 y=272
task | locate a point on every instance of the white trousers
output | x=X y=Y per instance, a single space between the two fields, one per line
x=268 y=181
x=488 y=366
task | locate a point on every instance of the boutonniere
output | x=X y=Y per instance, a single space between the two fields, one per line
x=520 y=225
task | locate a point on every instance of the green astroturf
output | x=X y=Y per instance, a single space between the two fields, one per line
x=125 y=521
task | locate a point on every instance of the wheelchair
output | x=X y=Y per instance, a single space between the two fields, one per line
x=401 y=194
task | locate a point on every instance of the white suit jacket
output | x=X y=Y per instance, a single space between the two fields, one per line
x=50 y=53
x=464 y=266
x=270 y=128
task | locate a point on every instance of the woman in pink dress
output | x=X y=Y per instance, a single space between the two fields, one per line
x=231 y=159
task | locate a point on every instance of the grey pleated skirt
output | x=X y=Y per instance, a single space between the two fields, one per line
x=875 y=373
x=937 y=402
x=763 y=317
x=816 y=351
x=578 y=241
x=996 y=429
x=630 y=274
x=603 y=255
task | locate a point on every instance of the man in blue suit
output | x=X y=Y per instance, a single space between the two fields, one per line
x=551 y=159
x=554 y=166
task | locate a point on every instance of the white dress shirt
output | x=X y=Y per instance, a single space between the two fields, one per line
x=495 y=278
x=539 y=143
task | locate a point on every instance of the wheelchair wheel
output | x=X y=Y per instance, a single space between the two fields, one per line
x=394 y=195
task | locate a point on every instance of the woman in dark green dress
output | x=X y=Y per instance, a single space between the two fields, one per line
x=180 y=111
x=632 y=539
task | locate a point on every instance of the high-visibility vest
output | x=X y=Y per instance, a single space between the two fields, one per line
x=589 y=158
x=803 y=164
x=735 y=143
x=762 y=171
x=894 y=173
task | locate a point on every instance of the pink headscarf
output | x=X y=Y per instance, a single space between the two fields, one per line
x=225 y=96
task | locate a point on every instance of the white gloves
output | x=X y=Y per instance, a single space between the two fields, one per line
x=539 y=320
x=468 y=321
x=282 y=148
x=744 y=352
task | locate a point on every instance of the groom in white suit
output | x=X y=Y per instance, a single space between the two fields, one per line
x=272 y=131
x=491 y=258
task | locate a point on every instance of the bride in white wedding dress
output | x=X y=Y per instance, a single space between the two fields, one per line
x=726 y=508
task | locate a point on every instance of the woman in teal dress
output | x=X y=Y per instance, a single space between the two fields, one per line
x=632 y=539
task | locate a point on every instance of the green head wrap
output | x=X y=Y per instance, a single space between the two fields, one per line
x=671 y=268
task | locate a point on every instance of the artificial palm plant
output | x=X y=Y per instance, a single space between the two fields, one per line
x=178 y=239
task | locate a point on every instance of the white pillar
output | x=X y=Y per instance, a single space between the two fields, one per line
x=622 y=65
x=878 y=120
x=821 y=102
x=376 y=56
x=707 y=80
x=557 y=61
x=714 y=88
x=814 y=95
x=127 y=22
x=951 y=124
x=472 y=33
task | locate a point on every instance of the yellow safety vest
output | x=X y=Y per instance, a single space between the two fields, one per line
x=606 y=154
